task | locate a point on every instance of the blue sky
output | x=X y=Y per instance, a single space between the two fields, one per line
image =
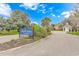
x=37 y=11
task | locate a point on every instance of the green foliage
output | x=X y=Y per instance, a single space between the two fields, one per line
x=74 y=33
x=43 y=32
x=46 y=18
x=39 y=32
x=46 y=24
x=36 y=27
x=49 y=30
x=20 y=17
x=12 y=32
x=46 y=21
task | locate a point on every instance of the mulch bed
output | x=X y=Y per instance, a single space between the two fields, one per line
x=14 y=43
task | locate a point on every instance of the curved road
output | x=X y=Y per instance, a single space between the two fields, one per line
x=57 y=44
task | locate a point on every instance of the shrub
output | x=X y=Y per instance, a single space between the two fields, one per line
x=43 y=32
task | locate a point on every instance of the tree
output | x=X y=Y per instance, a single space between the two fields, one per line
x=2 y=23
x=73 y=20
x=46 y=23
x=52 y=26
x=38 y=31
x=20 y=19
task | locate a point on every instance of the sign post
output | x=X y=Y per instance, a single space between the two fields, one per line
x=25 y=32
x=33 y=32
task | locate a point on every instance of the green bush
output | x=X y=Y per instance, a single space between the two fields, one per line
x=12 y=32
x=41 y=33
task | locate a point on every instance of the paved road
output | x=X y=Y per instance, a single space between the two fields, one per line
x=8 y=38
x=57 y=44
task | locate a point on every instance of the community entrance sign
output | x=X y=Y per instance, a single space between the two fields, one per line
x=24 y=32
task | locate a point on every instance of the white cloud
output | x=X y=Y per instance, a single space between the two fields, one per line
x=66 y=14
x=34 y=22
x=58 y=16
x=5 y=10
x=42 y=5
x=43 y=11
x=35 y=6
x=53 y=15
x=32 y=6
x=51 y=8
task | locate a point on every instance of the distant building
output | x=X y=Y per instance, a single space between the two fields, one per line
x=57 y=27
x=67 y=28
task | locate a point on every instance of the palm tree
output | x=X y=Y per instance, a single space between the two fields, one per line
x=46 y=23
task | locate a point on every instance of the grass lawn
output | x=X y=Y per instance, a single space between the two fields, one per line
x=56 y=30
x=74 y=33
x=12 y=32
